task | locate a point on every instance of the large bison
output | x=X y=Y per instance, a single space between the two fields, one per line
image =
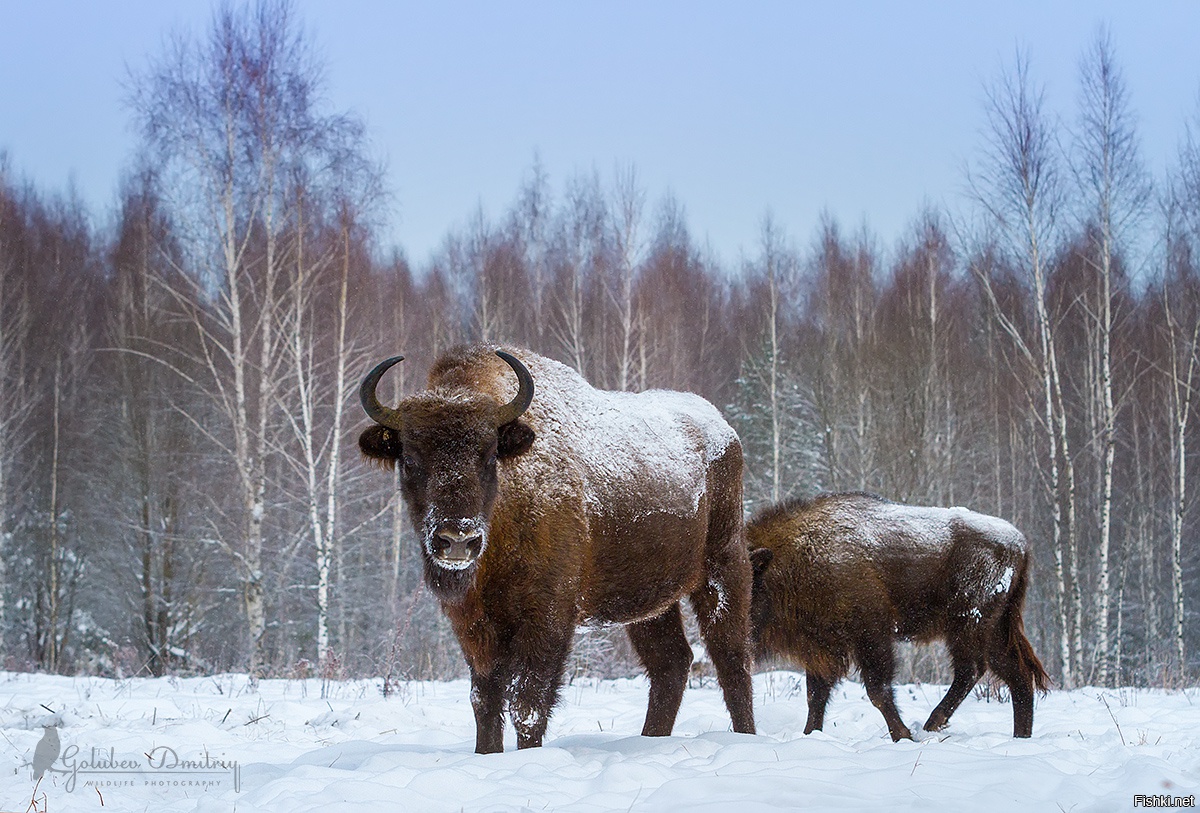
x=842 y=576
x=575 y=506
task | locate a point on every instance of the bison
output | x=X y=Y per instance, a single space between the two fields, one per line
x=840 y=577
x=538 y=513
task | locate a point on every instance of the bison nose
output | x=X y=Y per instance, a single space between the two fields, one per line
x=453 y=545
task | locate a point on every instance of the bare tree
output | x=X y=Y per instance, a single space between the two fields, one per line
x=322 y=355
x=1115 y=190
x=149 y=438
x=1185 y=352
x=578 y=250
x=14 y=321
x=774 y=410
x=1019 y=185
x=915 y=324
x=842 y=308
x=1183 y=332
x=532 y=222
x=627 y=204
x=773 y=258
x=228 y=119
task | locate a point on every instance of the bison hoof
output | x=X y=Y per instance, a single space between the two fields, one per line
x=902 y=733
x=935 y=724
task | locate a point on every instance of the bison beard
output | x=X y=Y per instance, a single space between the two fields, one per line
x=537 y=514
x=842 y=576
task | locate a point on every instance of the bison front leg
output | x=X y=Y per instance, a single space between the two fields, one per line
x=662 y=647
x=535 y=683
x=487 y=699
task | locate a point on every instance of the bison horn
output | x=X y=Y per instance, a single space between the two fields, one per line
x=517 y=406
x=370 y=401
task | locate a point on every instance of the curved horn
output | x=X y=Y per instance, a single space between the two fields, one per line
x=517 y=406
x=370 y=402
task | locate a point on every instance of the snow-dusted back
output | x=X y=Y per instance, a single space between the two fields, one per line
x=871 y=529
x=618 y=439
x=933 y=526
x=872 y=525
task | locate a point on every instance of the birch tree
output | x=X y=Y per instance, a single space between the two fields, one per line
x=772 y=260
x=227 y=118
x=628 y=201
x=578 y=249
x=1115 y=190
x=1184 y=344
x=1183 y=332
x=322 y=355
x=14 y=321
x=1018 y=184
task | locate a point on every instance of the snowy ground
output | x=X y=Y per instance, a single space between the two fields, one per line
x=355 y=751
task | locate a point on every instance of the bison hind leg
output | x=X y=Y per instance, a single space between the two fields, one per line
x=966 y=675
x=663 y=649
x=967 y=641
x=817 y=689
x=876 y=662
x=722 y=608
x=1006 y=662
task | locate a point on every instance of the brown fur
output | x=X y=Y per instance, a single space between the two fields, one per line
x=839 y=578
x=555 y=554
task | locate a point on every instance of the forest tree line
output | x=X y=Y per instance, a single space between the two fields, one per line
x=180 y=488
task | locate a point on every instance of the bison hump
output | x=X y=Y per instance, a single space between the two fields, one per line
x=652 y=448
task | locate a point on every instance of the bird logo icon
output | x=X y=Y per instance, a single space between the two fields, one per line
x=46 y=751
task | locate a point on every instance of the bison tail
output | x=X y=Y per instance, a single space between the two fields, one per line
x=1014 y=627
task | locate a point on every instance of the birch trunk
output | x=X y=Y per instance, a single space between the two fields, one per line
x=628 y=204
x=773 y=328
x=10 y=338
x=1055 y=428
x=341 y=361
x=1181 y=404
x=53 y=574
x=1108 y=429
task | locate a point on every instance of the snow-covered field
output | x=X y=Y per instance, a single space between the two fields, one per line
x=352 y=750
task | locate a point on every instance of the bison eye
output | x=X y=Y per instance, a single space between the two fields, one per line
x=409 y=463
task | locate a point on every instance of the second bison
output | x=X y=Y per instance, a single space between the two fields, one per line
x=840 y=577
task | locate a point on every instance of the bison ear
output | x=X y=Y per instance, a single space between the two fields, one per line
x=515 y=438
x=760 y=558
x=382 y=445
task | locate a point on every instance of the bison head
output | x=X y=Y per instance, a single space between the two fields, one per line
x=446 y=445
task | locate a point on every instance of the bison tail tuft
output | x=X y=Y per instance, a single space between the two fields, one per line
x=1017 y=641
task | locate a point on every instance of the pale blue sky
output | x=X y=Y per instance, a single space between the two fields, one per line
x=866 y=109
